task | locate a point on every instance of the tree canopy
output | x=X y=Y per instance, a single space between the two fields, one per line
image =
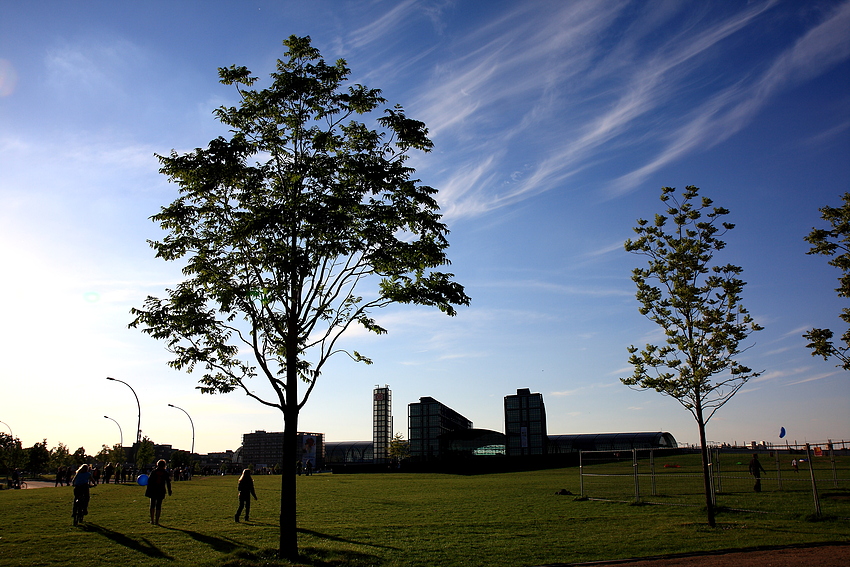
x=835 y=243
x=146 y=453
x=696 y=304
x=281 y=224
x=12 y=454
x=38 y=457
x=399 y=448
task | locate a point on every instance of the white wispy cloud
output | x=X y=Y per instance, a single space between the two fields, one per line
x=93 y=68
x=613 y=96
x=731 y=109
x=813 y=378
x=559 y=288
x=614 y=247
x=383 y=25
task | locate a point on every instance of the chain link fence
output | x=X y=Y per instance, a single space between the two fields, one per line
x=799 y=482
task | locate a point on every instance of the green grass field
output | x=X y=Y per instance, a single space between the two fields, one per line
x=401 y=519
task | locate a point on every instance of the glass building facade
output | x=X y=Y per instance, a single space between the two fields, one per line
x=426 y=421
x=382 y=423
x=525 y=424
x=265 y=449
x=473 y=443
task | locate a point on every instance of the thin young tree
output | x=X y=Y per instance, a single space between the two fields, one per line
x=699 y=308
x=833 y=242
x=281 y=225
x=399 y=449
x=146 y=453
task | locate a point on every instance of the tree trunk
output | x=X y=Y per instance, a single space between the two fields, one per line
x=706 y=473
x=288 y=506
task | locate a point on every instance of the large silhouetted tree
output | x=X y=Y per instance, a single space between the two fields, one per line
x=697 y=305
x=281 y=225
x=833 y=242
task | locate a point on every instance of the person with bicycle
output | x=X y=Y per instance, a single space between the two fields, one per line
x=82 y=482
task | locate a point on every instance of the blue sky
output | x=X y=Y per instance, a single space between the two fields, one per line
x=555 y=125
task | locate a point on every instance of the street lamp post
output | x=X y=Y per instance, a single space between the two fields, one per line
x=139 y=425
x=120 y=432
x=192 y=423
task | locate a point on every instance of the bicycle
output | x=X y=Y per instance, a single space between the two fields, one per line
x=79 y=510
x=82 y=481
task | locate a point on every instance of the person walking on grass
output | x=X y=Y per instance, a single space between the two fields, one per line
x=158 y=482
x=246 y=491
x=756 y=469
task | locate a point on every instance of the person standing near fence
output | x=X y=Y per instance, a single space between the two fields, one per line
x=756 y=469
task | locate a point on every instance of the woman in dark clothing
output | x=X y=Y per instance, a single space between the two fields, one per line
x=82 y=482
x=246 y=491
x=158 y=482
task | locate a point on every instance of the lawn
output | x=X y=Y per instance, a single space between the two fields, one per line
x=403 y=519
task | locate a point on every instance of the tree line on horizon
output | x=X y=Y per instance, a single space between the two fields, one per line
x=38 y=459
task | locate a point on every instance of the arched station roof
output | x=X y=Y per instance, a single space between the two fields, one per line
x=611 y=441
x=348 y=452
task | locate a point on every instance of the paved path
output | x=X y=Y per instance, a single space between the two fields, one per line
x=836 y=554
x=47 y=484
x=39 y=484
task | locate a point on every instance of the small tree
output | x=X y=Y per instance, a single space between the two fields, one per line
x=60 y=457
x=102 y=456
x=146 y=453
x=180 y=459
x=12 y=454
x=38 y=456
x=114 y=454
x=79 y=457
x=399 y=449
x=834 y=242
x=698 y=307
x=280 y=225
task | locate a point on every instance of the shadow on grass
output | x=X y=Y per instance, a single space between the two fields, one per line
x=220 y=544
x=344 y=540
x=326 y=536
x=308 y=557
x=142 y=546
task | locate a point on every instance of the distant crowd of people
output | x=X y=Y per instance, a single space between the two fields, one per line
x=117 y=473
